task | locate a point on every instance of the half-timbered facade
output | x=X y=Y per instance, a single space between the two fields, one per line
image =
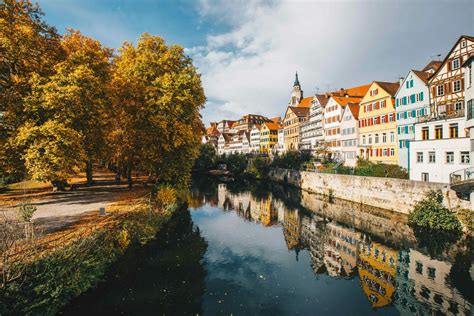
x=447 y=83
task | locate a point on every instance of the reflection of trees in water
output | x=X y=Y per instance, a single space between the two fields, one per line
x=164 y=277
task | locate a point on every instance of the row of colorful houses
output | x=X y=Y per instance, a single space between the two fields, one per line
x=423 y=122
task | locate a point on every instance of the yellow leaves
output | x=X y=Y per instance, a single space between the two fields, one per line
x=53 y=151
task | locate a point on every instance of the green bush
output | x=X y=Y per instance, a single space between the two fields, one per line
x=370 y=169
x=259 y=167
x=431 y=213
x=292 y=160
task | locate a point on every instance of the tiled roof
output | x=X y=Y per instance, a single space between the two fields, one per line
x=344 y=100
x=299 y=111
x=354 y=108
x=390 y=87
x=359 y=91
x=422 y=75
x=271 y=126
x=323 y=100
x=306 y=102
x=276 y=119
x=433 y=64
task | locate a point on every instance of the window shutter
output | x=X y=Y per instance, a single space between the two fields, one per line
x=421 y=96
x=447 y=88
x=449 y=65
x=462 y=84
x=386 y=118
x=433 y=91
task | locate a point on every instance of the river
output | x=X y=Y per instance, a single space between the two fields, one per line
x=265 y=249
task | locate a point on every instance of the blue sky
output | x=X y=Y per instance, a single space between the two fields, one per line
x=248 y=50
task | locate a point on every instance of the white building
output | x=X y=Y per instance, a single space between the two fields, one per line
x=245 y=143
x=223 y=143
x=332 y=123
x=280 y=147
x=350 y=134
x=441 y=146
x=255 y=139
x=312 y=131
x=411 y=102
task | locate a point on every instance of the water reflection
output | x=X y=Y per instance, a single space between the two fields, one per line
x=345 y=242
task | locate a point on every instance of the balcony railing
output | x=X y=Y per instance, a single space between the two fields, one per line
x=461 y=176
x=441 y=116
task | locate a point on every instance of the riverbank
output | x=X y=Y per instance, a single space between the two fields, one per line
x=42 y=275
x=395 y=195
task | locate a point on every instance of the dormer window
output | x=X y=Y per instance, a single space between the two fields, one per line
x=455 y=64
x=374 y=92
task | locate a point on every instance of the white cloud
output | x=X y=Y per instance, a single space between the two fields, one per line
x=332 y=44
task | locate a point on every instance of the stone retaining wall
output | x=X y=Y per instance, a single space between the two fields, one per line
x=391 y=194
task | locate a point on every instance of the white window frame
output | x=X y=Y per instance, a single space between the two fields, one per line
x=459 y=86
x=438 y=89
x=449 y=154
x=419 y=157
x=465 y=158
x=431 y=154
x=455 y=64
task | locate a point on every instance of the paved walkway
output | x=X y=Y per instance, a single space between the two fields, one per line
x=59 y=209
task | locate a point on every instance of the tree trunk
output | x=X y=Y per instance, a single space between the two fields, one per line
x=129 y=174
x=90 y=180
x=59 y=185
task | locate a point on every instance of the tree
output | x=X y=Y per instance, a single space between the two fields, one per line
x=53 y=152
x=76 y=94
x=157 y=96
x=206 y=159
x=27 y=46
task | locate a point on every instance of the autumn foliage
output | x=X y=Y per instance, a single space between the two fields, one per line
x=69 y=102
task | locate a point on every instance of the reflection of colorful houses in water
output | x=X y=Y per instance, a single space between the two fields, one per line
x=313 y=233
x=377 y=272
x=430 y=277
x=341 y=250
x=268 y=213
x=292 y=230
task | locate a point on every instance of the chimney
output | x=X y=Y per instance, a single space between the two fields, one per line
x=401 y=80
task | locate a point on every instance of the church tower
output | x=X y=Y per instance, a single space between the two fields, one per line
x=296 y=93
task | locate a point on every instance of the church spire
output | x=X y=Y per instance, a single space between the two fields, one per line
x=297 y=82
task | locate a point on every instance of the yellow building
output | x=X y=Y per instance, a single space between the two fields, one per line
x=268 y=137
x=377 y=124
x=377 y=272
x=295 y=116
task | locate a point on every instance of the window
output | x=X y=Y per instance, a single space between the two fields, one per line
x=440 y=90
x=431 y=157
x=419 y=157
x=463 y=44
x=455 y=63
x=419 y=267
x=425 y=133
x=458 y=106
x=384 y=137
x=392 y=151
x=457 y=86
x=370 y=139
x=363 y=139
x=425 y=176
x=392 y=137
x=453 y=130
x=383 y=119
x=439 y=131
x=465 y=159
x=376 y=138
x=431 y=272
x=449 y=157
